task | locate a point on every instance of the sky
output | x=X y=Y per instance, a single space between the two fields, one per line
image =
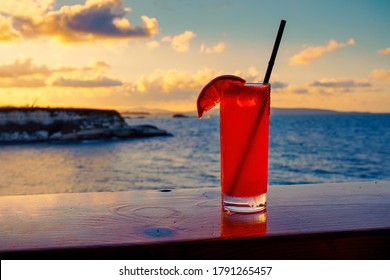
x=158 y=54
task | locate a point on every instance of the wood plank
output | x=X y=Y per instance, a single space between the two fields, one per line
x=349 y=220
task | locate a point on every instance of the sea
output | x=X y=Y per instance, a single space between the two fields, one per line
x=303 y=149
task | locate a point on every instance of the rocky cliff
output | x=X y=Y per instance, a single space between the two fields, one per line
x=18 y=125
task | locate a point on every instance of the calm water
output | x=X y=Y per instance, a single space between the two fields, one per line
x=303 y=149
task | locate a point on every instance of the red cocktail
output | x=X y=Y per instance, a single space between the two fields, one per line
x=245 y=111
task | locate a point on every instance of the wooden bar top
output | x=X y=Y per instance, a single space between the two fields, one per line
x=320 y=221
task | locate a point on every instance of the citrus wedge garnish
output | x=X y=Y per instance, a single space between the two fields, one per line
x=212 y=93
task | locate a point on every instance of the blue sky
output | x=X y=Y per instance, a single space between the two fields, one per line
x=159 y=53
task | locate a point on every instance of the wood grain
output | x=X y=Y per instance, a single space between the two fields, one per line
x=349 y=220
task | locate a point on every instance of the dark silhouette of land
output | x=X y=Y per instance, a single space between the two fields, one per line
x=26 y=125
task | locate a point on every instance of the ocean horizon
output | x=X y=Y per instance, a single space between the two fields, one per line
x=142 y=111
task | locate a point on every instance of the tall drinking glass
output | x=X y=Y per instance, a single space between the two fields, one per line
x=245 y=111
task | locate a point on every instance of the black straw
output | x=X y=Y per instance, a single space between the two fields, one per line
x=274 y=51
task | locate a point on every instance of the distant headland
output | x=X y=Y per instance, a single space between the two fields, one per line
x=307 y=111
x=26 y=125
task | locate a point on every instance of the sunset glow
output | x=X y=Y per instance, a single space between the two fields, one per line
x=125 y=55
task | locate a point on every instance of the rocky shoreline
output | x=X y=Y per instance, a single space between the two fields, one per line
x=32 y=125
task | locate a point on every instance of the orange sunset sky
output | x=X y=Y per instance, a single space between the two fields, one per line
x=159 y=54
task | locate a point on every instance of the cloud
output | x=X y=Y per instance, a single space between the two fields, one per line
x=181 y=42
x=218 y=48
x=252 y=71
x=336 y=86
x=251 y=75
x=27 y=8
x=86 y=82
x=174 y=83
x=7 y=32
x=25 y=72
x=170 y=80
x=15 y=16
x=309 y=54
x=94 y=20
x=153 y=44
x=381 y=74
x=22 y=82
x=324 y=87
x=384 y=51
x=93 y=75
x=340 y=83
x=296 y=89
x=22 y=67
x=278 y=85
x=281 y=88
x=172 y=88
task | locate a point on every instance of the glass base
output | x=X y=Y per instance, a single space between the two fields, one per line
x=245 y=204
